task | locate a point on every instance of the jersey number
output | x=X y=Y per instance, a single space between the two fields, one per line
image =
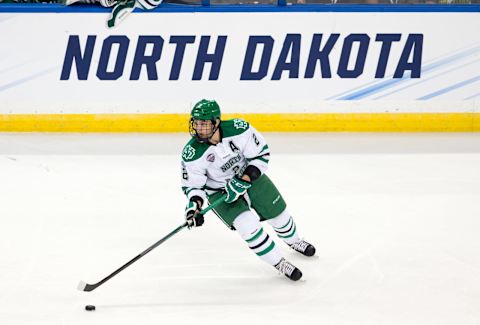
x=255 y=139
x=184 y=173
x=236 y=169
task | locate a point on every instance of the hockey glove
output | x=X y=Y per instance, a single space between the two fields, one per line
x=192 y=214
x=121 y=10
x=235 y=188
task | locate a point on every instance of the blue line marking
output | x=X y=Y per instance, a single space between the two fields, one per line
x=449 y=89
x=426 y=79
x=450 y=59
x=28 y=78
x=430 y=66
x=373 y=89
x=169 y=8
x=13 y=67
x=387 y=83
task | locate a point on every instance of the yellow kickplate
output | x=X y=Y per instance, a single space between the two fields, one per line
x=312 y=122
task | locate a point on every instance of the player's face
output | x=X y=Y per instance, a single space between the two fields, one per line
x=204 y=128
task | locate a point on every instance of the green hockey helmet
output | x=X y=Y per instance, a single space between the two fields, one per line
x=204 y=110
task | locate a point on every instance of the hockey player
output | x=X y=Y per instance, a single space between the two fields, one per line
x=121 y=8
x=231 y=157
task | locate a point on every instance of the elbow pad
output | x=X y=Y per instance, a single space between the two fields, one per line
x=252 y=172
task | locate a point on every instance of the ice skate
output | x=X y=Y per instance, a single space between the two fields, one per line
x=304 y=248
x=289 y=270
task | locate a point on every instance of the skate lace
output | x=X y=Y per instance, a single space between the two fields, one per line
x=285 y=267
x=300 y=246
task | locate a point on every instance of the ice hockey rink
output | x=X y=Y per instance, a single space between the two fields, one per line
x=395 y=219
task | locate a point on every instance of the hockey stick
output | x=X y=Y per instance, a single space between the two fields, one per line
x=83 y=286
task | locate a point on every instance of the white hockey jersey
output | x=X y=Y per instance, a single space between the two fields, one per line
x=206 y=168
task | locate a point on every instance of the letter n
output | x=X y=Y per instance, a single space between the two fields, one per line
x=74 y=53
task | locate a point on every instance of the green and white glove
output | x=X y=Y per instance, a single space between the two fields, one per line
x=123 y=8
x=235 y=188
x=121 y=11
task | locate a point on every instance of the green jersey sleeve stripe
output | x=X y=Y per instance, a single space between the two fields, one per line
x=264 y=157
x=265 y=147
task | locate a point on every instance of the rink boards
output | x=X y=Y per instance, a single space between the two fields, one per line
x=296 y=68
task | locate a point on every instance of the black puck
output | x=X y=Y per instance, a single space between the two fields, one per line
x=90 y=307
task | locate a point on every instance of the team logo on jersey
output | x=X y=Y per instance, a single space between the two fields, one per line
x=240 y=124
x=211 y=157
x=188 y=153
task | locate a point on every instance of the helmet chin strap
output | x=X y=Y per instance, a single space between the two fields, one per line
x=215 y=128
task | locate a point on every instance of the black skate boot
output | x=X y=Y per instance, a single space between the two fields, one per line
x=289 y=270
x=304 y=248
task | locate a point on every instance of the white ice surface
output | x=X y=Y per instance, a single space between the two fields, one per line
x=395 y=219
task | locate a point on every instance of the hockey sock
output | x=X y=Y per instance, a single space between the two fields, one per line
x=285 y=227
x=249 y=228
